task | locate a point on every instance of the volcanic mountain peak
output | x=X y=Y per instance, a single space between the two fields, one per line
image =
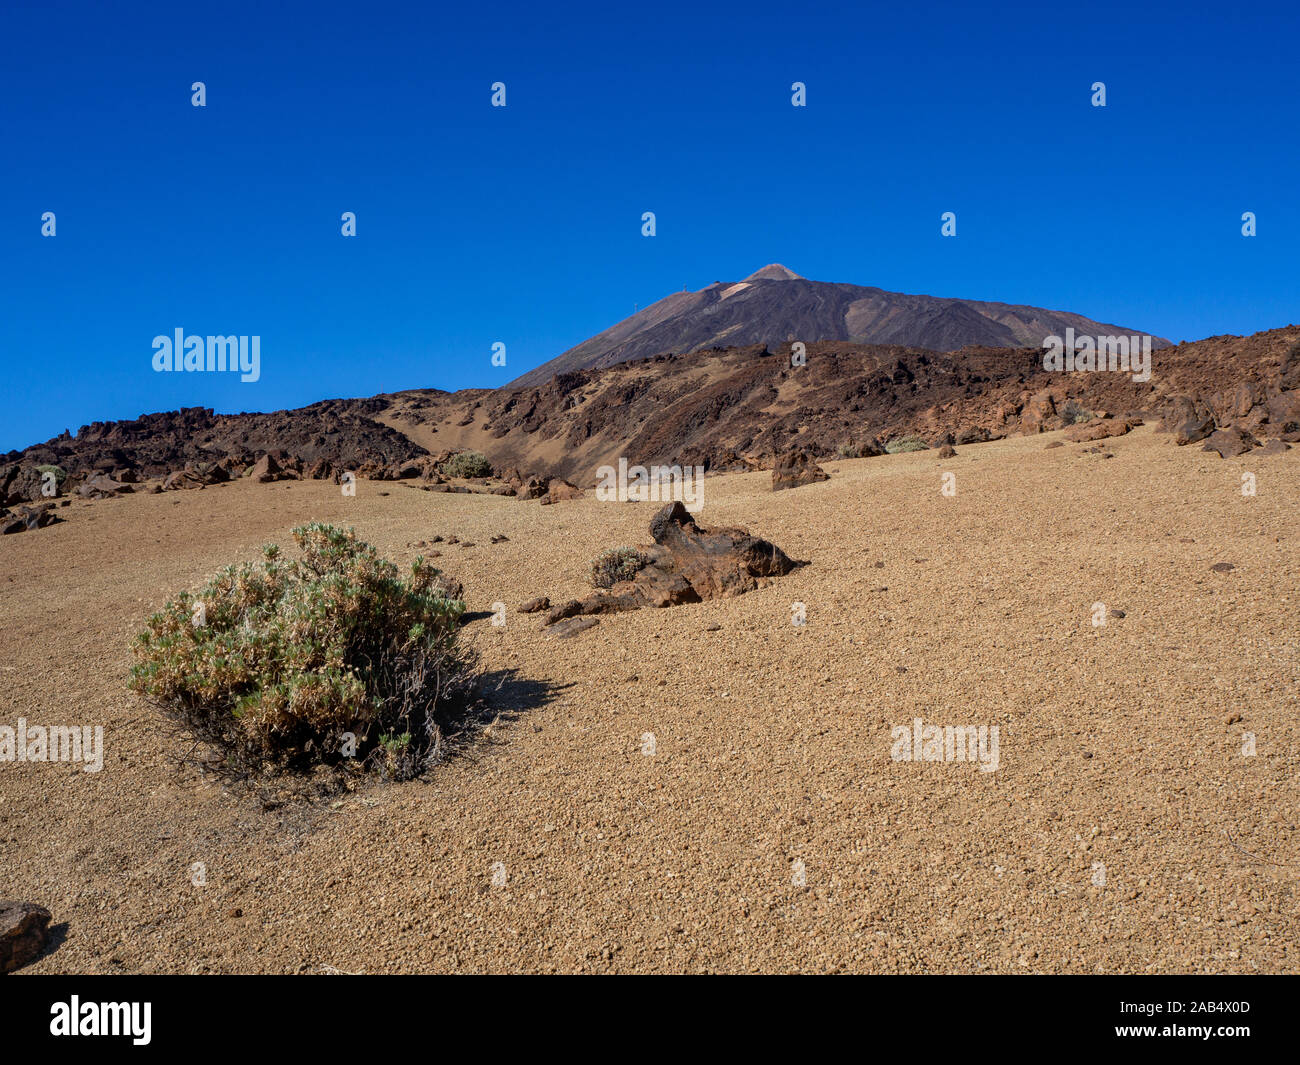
x=756 y=311
x=774 y=272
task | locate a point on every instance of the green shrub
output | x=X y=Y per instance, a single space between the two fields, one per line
x=617 y=564
x=906 y=443
x=275 y=662
x=467 y=464
x=60 y=474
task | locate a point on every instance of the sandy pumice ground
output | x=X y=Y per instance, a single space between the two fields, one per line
x=1125 y=829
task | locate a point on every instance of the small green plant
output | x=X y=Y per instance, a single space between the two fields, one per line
x=906 y=443
x=467 y=464
x=60 y=474
x=326 y=658
x=617 y=564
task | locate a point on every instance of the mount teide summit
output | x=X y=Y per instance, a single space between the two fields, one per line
x=776 y=305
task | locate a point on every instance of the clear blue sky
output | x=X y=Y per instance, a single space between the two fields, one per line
x=522 y=224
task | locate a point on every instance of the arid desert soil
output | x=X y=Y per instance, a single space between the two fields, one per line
x=770 y=829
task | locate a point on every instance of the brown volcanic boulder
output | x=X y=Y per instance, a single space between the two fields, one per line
x=102 y=486
x=796 y=467
x=24 y=484
x=718 y=563
x=533 y=488
x=267 y=469
x=1191 y=430
x=560 y=489
x=1290 y=368
x=24 y=931
x=1274 y=447
x=28 y=519
x=1101 y=429
x=1230 y=442
x=1236 y=403
x=1187 y=417
x=320 y=470
x=1038 y=415
x=947 y=452
x=688 y=563
x=200 y=475
x=1284 y=413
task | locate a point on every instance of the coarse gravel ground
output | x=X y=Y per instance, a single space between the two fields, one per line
x=665 y=798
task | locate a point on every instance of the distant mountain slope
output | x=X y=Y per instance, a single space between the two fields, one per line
x=741 y=406
x=775 y=305
x=734 y=408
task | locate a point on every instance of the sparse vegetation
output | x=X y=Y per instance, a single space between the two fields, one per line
x=854 y=451
x=617 y=564
x=467 y=464
x=906 y=443
x=1073 y=414
x=307 y=662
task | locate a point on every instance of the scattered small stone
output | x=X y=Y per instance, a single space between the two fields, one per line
x=1223 y=567
x=533 y=605
x=1233 y=719
x=712 y=627
x=572 y=626
x=500 y=538
x=947 y=451
x=1118 y=614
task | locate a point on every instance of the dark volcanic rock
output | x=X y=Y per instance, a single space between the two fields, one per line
x=1101 y=429
x=572 y=626
x=267 y=469
x=28 y=519
x=101 y=486
x=796 y=467
x=26 y=484
x=718 y=563
x=199 y=475
x=24 y=932
x=559 y=489
x=687 y=563
x=1230 y=442
x=342 y=432
x=947 y=452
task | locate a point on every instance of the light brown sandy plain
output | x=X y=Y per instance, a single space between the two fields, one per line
x=772 y=741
